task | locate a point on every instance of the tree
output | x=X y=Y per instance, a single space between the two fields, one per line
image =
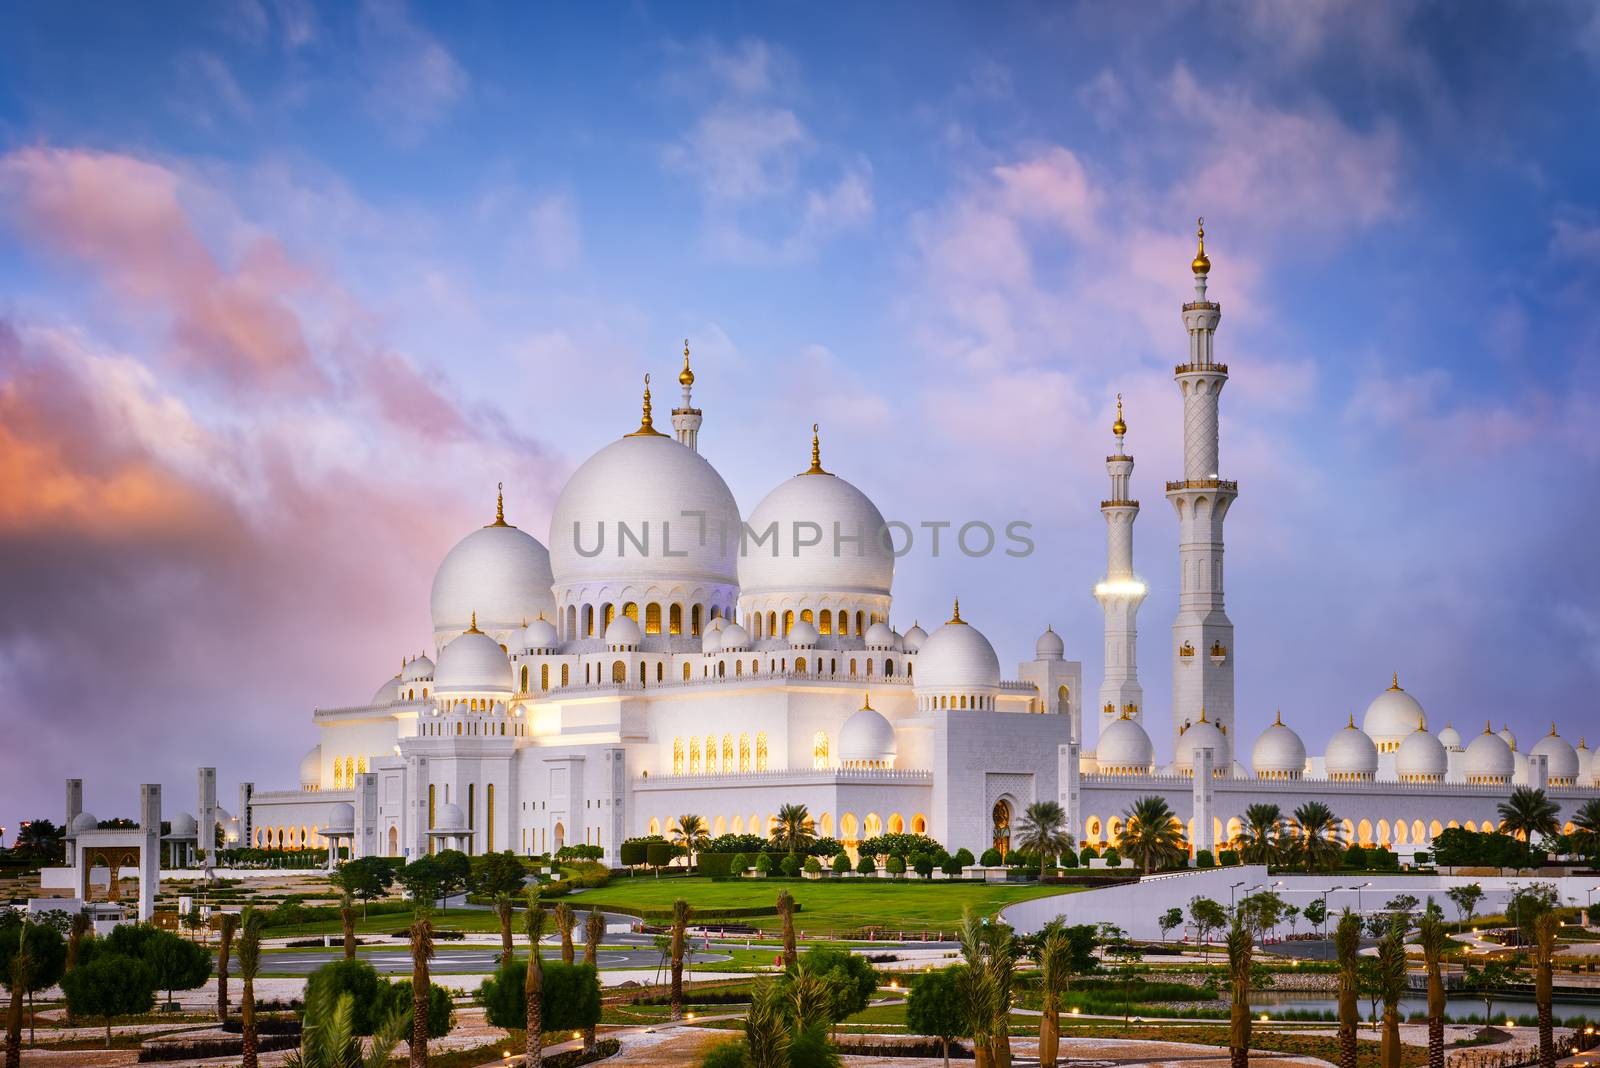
x=33 y=957
x=1152 y=837
x=250 y=924
x=79 y=931
x=497 y=873
x=680 y=935
x=936 y=1009
x=423 y=879
x=175 y=963
x=455 y=872
x=1316 y=912
x=1390 y=977
x=1465 y=899
x=1168 y=920
x=347 y=920
x=1207 y=916
x=41 y=840
x=792 y=832
x=1258 y=840
x=358 y=981
x=1043 y=832
x=505 y=912
x=568 y=998
x=329 y=1039
x=1058 y=962
x=1240 y=949
x=1292 y=914
x=533 y=983
x=398 y=999
x=1316 y=830
x=1487 y=980
x=421 y=985
x=1347 y=950
x=1431 y=936
x=1262 y=911
x=365 y=878
x=594 y=930
x=1586 y=828
x=108 y=986
x=690 y=835
x=566 y=919
x=1528 y=812
x=786 y=914
x=1545 y=928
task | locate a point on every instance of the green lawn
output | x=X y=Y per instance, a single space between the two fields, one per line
x=826 y=907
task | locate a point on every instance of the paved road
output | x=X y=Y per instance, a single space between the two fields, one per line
x=469 y=960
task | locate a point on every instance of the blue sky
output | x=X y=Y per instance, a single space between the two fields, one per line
x=285 y=289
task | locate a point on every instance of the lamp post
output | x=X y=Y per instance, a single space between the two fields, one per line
x=1231 y=889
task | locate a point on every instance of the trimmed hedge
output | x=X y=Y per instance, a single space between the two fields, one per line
x=715 y=865
x=196 y=1048
x=736 y=913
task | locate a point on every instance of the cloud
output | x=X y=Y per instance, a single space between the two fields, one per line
x=555 y=237
x=738 y=154
x=412 y=81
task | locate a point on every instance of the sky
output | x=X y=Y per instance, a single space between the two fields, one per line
x=286 y=289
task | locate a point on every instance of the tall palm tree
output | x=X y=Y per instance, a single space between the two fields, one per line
x=766 y=1027
x=18 y=981
x=1586 y=827
x=1528 y=812
x=1390 y=977
x=347 y=919
x=1240 y=947
x=1002 y=962
x=691 y=834
x=1317 y=842
x=1055 y=971
x=1258 y=840
x=680 y=936
x=792 y=831
x=594 y=929
x=1152 y=836
x=566 y=919
x=1043 y=832
x=421 y=985
x=504 y=911
x=249 y=964
x=227 y=928
x=533 y=985
x=1431 y=936
x=786 y=913
x=977 y=988
x=1544 y=942
x=1347 y=950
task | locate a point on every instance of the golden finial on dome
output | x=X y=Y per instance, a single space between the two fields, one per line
x=866 y=702
x=816 y=453
x=1352 y=724
x=686 y=376
x=646 y=427
x=499 y=505
x=1202 y=262
x=955 y=616
x=1552 y=728
x=473 y=629
x=1202 y=713
x=1488 y=728
x=1394 y=683
x=1119 y=428
x=1279 y=721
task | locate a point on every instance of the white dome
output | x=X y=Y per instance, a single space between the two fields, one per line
x=716 y=624
x=1393 y=716
x=867 y=737
x=711 y=641
x=624 y=632
x=859 y=563
x=1585 y=762
x=540 y=634
x=450 y=818
x=653 y=486
x=914 y=638
x=341 y=818
x=497 y=571
x=183 y=826
x=1049 y=646
x=1202 y=735
x=418 y=670
x=1421 y=758
x=1450 y=738
x=802 y=635
x=1278 y=753
x=1351 y=755
x=957 y=657
x=734 y=637
x=1124 y=748
x=1507 y=737
x=472 y=663
x=311 y=768
x=388 y=693
x=879 y=636
x=1488 y=760
x=83 y=821
x=1561 y=759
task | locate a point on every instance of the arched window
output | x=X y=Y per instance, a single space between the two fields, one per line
x=642 y=669
x=563 y=674
x=631 y=610
x=805 y=614
x=677 y=759
x=744 y=752
x=686 y=672
x=675 y=619
x=761 y=751
x=819 y=751
x=524 y=677
x=738 y=667
x=609 y=612
x=800 y=664
x=869 y=667
x=727 y=753
x=652 y=618
x=694 y=756
x=861 y=627
x=588 y=621
x=661 y=670
x=619 y=672
x=711 y=754
x=825 y=622
x=694 y=621
x=544 y=676
x=772 y=624
x=888 y=668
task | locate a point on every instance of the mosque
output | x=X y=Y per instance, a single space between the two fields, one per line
x=662 y=654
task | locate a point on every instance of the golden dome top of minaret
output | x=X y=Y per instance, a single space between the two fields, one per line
x=1119 y=428
x=1202 y=262
x=685 y=376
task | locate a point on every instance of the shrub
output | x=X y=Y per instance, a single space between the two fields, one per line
x=580 y=851
x=633 y=851
x=441 y=1011
x=1204 y=859
x=188 y=1049
x=866 y=865
x=923 y=865
x=738 y=864
x=1113 y=858
x=903 y=844
x=369 y=1004
x=991 y=858
x=1423 y=857
x=1355 y=857
x=896 y=865
x=1069 y=859
x=963 y=857
x=790 y=865
x=716 y=865
x=660 y=854
x=749 y=844
x=1228 y=858
x=813 y=866
x=570 y=996
x=841 y=864
x=951 y=866
x=764 y=864
x=1087 y=854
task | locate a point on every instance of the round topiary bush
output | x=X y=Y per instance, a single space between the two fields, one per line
x=813 y=866
x=764 y=863
x=1087 y=854
x=739 y=864
x=923 y=865
x=790 y=865
x=866 y=865
x=1069 y=859
x=1204 y=859
x=841 y=864
x=1113 y=858
x=896 y=865
x=951 y=866
x=963 y=857
x=991 y=858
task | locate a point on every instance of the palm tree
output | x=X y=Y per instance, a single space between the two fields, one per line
x=792 y=831
x=766 y=1027
x=82 y=928
x=1043 y=832
x=1586 y=827
x=1545 y=928
x=18 y=981
x=249 y=964
x=347 y=919
x=786 y=914
x=328 y=1038
x=1240 y=946
x=566 y=919
x=1055 y=971
x=1317 y=836
x=680 y=935
x=977 y=988
x=504 y=911
x=691 y=834
x=227 y=928
x=1431 y=936
x=421 y=985
x=1528 y=812
x=1347 y=950
x=1152 y=835
x=533 y=984
x=1390 y=976
x=594 y=929
x=1258 y=842
x=1002 y=964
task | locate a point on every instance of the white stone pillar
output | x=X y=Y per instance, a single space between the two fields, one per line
x=1539 y=771
x=206 y=818
x=1069 y=788
x=150 y=853
x=1204 y=806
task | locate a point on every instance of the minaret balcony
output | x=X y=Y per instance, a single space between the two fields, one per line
x=1197 y=368
x=1223 y=484
x=1202 y=305
x=1119 y=504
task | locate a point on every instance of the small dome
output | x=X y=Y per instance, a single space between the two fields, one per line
x=624 y=633
x=802 y=635
x=867 y=738
x=1507 y=737
x=341 y=819
x=311 y=769
x=1421 y=758
x=1488 y=760
x=1561 y=760
x=472 y=663
x=1351 y=755
x=1450 y=738
x=183 y=826
x=879 y=636
x=1198 y=736
x=735 y=638
x=497 y=572
x=1124 y=748
x=450 y=818
x=716 y=624
x=418 y=670
x=1049 y=646
x=388 y=693
x=711 y=641
x=957 y=657
x=1392 y=716
x=83 y=821
x=1278 y=753
x=914 y=638
x=539 y=635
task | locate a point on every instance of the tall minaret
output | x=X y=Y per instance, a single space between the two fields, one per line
x=1202 y=636
x=686 y=420
x=1120 y=593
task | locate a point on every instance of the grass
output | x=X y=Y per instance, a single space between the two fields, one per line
x=826 y=907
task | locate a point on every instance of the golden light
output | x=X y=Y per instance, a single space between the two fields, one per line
x=689 y=1016
x=577 y=1034
x=1120 y=587
x=1076 y=1010
x=1511 y=1023
x=1265 y=1017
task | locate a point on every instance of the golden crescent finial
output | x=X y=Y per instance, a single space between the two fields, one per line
x=955 y=616
x=646 y=426
x=499 y=505
x=686 y=376
x=1202 y=262
x=474 y=628
x=1120 y=427
x=866 y=702
x=816 y=453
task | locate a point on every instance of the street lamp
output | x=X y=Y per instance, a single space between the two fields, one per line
x=1231 y=889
